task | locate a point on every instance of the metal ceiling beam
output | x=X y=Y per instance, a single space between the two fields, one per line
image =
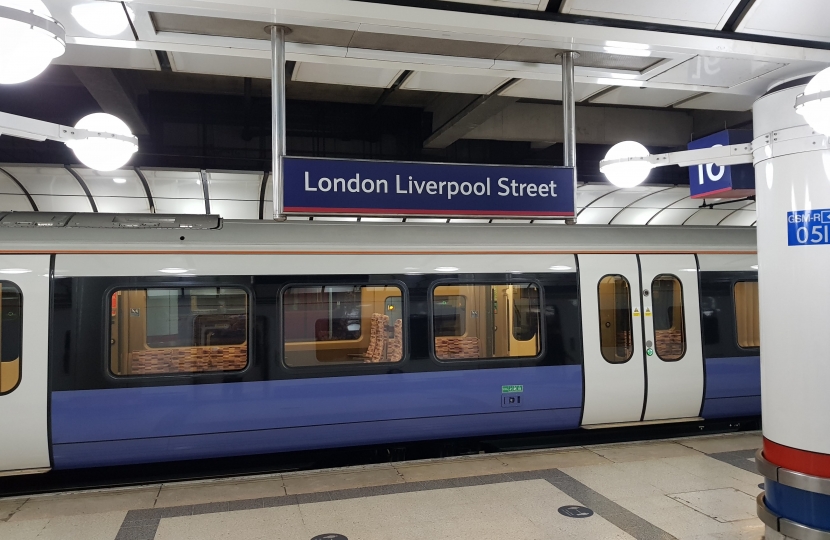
x=107 y=90
x=530 y=122
x=471 y=117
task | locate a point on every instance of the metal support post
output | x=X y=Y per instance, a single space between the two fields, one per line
x=569 y=115
x=277 y=114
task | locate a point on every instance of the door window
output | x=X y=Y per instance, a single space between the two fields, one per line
x=669 y=326
x=11 y=336
x=746 y=314
x=616 y=340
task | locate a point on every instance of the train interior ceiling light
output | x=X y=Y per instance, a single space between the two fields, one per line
x=29 y=40
x=100 y=141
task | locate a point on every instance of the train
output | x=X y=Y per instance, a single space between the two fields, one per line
x=134 y=339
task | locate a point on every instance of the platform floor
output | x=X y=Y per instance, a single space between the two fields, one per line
x=691 y=488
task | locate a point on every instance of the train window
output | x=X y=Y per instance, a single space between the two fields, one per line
x=449 y=315
x=327 y=324
x=616 y=340
x=668 y=318
x=747 y=313
x=486 y=321
x=11 y=336
x=181 y=330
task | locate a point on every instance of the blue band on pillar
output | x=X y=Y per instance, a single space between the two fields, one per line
x=797 y=505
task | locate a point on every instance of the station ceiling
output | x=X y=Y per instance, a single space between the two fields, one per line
x=398 y=79
x=248 y=195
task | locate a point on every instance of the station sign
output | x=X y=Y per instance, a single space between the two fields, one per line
x=723 y=182
x=406 y=189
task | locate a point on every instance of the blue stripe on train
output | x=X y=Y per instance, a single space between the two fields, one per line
x=129 y=425
x=733 y=387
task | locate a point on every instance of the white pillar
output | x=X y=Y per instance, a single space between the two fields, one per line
x=794 y=290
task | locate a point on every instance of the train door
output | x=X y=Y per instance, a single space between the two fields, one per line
x=613 y=339
x=674 y=354
x=24 y=327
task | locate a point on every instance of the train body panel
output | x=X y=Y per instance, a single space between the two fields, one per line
x=351 y=406
x=252 y=338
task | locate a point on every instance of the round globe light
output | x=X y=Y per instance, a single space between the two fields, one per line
x=817 y=111
x=102 y=18
x=29 y=40
x=101 y=153
x=626 y=174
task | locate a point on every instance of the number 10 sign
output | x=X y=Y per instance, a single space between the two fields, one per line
x=723 y=182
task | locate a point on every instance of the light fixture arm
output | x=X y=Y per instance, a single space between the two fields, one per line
x=34 y=20
x=38 y=130
x=719 y=155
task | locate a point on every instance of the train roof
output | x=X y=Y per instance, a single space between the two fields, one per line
x=154 y=233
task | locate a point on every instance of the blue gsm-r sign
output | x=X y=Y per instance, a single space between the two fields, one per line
x=808 y=227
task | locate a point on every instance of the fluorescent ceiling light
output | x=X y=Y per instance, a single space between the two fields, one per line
x=120 y=180
x=619 y=82
x=173 y=270
x=446 y=269
x=101 y=18
x=14 y=271
x=627 y=49
x=559 y=268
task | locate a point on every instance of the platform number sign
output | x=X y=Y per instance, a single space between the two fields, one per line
x=729 y=181
x=808 y=227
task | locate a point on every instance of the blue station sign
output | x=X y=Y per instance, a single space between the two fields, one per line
x=388 y=188
x=726 y=182
x=808 y=227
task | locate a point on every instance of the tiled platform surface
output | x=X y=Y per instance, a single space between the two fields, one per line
x=693 y=488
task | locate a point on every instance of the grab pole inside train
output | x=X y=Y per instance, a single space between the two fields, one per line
x=277 y=113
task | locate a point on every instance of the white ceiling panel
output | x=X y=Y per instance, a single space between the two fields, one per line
x=687 y=202
x=596 y=216
x=715 y=71
x=235 y=209
x=15 y=203
x=662 y=199
x=107 y=57
x=624 y=197
x=175 y=184
x=550 y=90
x=634 y=216
x=446 y=82
x=740 y=218
x=47 y=180
x=700 y=13
x=8 y=186
x=719 y=102
x=643 y=97
x=234 y=186
x=232 y=66
x=588 y=193
x=343 y=74
x=62 y=203
x=123 y=205
x=672 y=216
x=179 y=206
x=803 y=19
x=124 y=183
x=707 y=216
